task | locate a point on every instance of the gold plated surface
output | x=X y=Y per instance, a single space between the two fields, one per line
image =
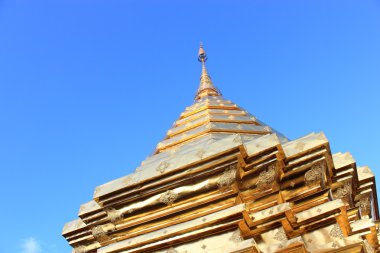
x=223 y=181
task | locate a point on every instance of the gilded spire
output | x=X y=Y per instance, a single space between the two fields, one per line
x=206 y=87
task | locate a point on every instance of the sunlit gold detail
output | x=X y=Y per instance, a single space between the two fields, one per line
x=313 y=176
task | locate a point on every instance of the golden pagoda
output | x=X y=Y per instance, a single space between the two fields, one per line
x=222 y=181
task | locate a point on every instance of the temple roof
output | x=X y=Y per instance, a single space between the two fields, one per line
x=210 y=113
x=210 y=125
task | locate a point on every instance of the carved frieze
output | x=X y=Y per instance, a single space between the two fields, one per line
x=266 y=178
x=313 y=177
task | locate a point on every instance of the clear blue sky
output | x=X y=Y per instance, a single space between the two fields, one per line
x=88 y=87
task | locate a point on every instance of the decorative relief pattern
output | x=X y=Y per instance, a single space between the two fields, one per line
x=343 y=192
x=314 y=175
x=280 y=235
x=80 y=249
x=227 y=178
x=162 y=167
x=336 y=232
x=98 y=232
x=236 y=237
x=365 y=205
x=114 y=215
x=168 y=197
x=266 y=178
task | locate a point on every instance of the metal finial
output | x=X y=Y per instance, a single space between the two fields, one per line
x=202 y=56
x=206 y=87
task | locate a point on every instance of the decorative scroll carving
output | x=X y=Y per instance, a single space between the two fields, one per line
x=343 y=192
x=365 y=205
x=280 y=235
x=227 y=178
x=236 y=237
x=336 y=232
x=114 y=215
x=266 y=178
x=162 y=167
x=314 y=175
x=80 y=249
x=168 y=197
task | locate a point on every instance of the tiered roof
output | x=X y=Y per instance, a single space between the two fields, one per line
x=222 y=181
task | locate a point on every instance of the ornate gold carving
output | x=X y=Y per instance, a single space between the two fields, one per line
x=343 y=192
x=162 y=167
x=314 y=175
x=266 y=178
x=336 y=232
x=280 y=235
x=80 y=249
x=365 y=205
x=168 y=197
x=98 y=232
x=236 y=237
x=227 y=178
x=114 y=215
